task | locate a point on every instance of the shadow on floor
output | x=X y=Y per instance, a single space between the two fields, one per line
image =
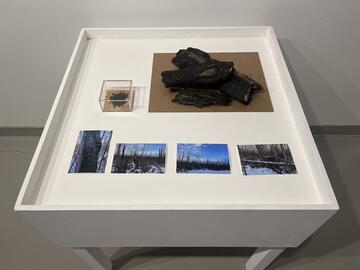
x=121 y=259
x=343 y=229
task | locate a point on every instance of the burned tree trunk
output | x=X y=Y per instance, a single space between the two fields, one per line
x=90 y=151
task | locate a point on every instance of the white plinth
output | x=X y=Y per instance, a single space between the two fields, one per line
x=87 y=210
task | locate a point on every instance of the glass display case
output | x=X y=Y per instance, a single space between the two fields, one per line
x=116 y=96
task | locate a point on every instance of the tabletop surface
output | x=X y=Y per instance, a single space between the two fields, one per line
x=132 y=59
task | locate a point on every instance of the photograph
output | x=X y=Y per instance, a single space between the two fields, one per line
x=266 y=159
x=139 y=158
x=91 y=151
x=202 y=159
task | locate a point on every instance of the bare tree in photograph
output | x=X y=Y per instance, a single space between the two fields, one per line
x=91 y=151
x=264 y=159
x=139 y=158
x=202 y=158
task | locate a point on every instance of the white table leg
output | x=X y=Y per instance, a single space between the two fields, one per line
x=262 y=257
x=95 y=257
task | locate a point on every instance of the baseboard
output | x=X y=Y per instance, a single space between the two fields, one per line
x=21 y=131
x=315 y=129
x=335 y=130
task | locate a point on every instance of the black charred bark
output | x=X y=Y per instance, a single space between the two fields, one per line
x=200 y=97
x=201 y=81
x=190 y=57
x=240 y=87
x=199 y=75
x=90 y=151
x=254 y=84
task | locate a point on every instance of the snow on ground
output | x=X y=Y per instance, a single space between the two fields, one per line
x=258 y=171
x=151 y=169
x=156 y=169
x=206 y=171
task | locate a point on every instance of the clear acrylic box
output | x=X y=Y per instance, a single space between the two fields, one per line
x=116 y=96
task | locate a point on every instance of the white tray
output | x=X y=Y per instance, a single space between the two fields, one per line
x=145 y=210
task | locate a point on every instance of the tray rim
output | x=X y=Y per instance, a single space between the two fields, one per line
x=54 y=121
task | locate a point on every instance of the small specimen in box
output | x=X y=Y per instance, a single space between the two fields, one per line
x=116 y=96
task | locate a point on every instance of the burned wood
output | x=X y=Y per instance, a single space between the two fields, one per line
x=240 y=87
x=254 y=84
x=199 y=75
x=200 y=97
x=200 y=80
x=190 y=57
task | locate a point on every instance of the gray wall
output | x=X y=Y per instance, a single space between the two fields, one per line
x=320 y=40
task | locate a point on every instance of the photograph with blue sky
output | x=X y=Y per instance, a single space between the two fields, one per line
x=203 y=158
x=139 y=158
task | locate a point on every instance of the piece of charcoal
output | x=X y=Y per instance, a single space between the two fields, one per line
x=240 y=87
x=186 y=99
x=200 y=75
x=190 y=57
x=200 y=97
x=119 y=99
x=216 y=96
x=254 y=84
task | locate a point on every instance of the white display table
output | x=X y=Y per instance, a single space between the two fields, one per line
x=88 y=211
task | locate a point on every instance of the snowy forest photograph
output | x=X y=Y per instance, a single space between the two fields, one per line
x=91 y=152
x=266 y=159
x=139 y=158
x=203 y=159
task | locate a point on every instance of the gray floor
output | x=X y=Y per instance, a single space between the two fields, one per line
x=335 y=246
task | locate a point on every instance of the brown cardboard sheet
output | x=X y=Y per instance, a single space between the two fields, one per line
x=247 y=63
